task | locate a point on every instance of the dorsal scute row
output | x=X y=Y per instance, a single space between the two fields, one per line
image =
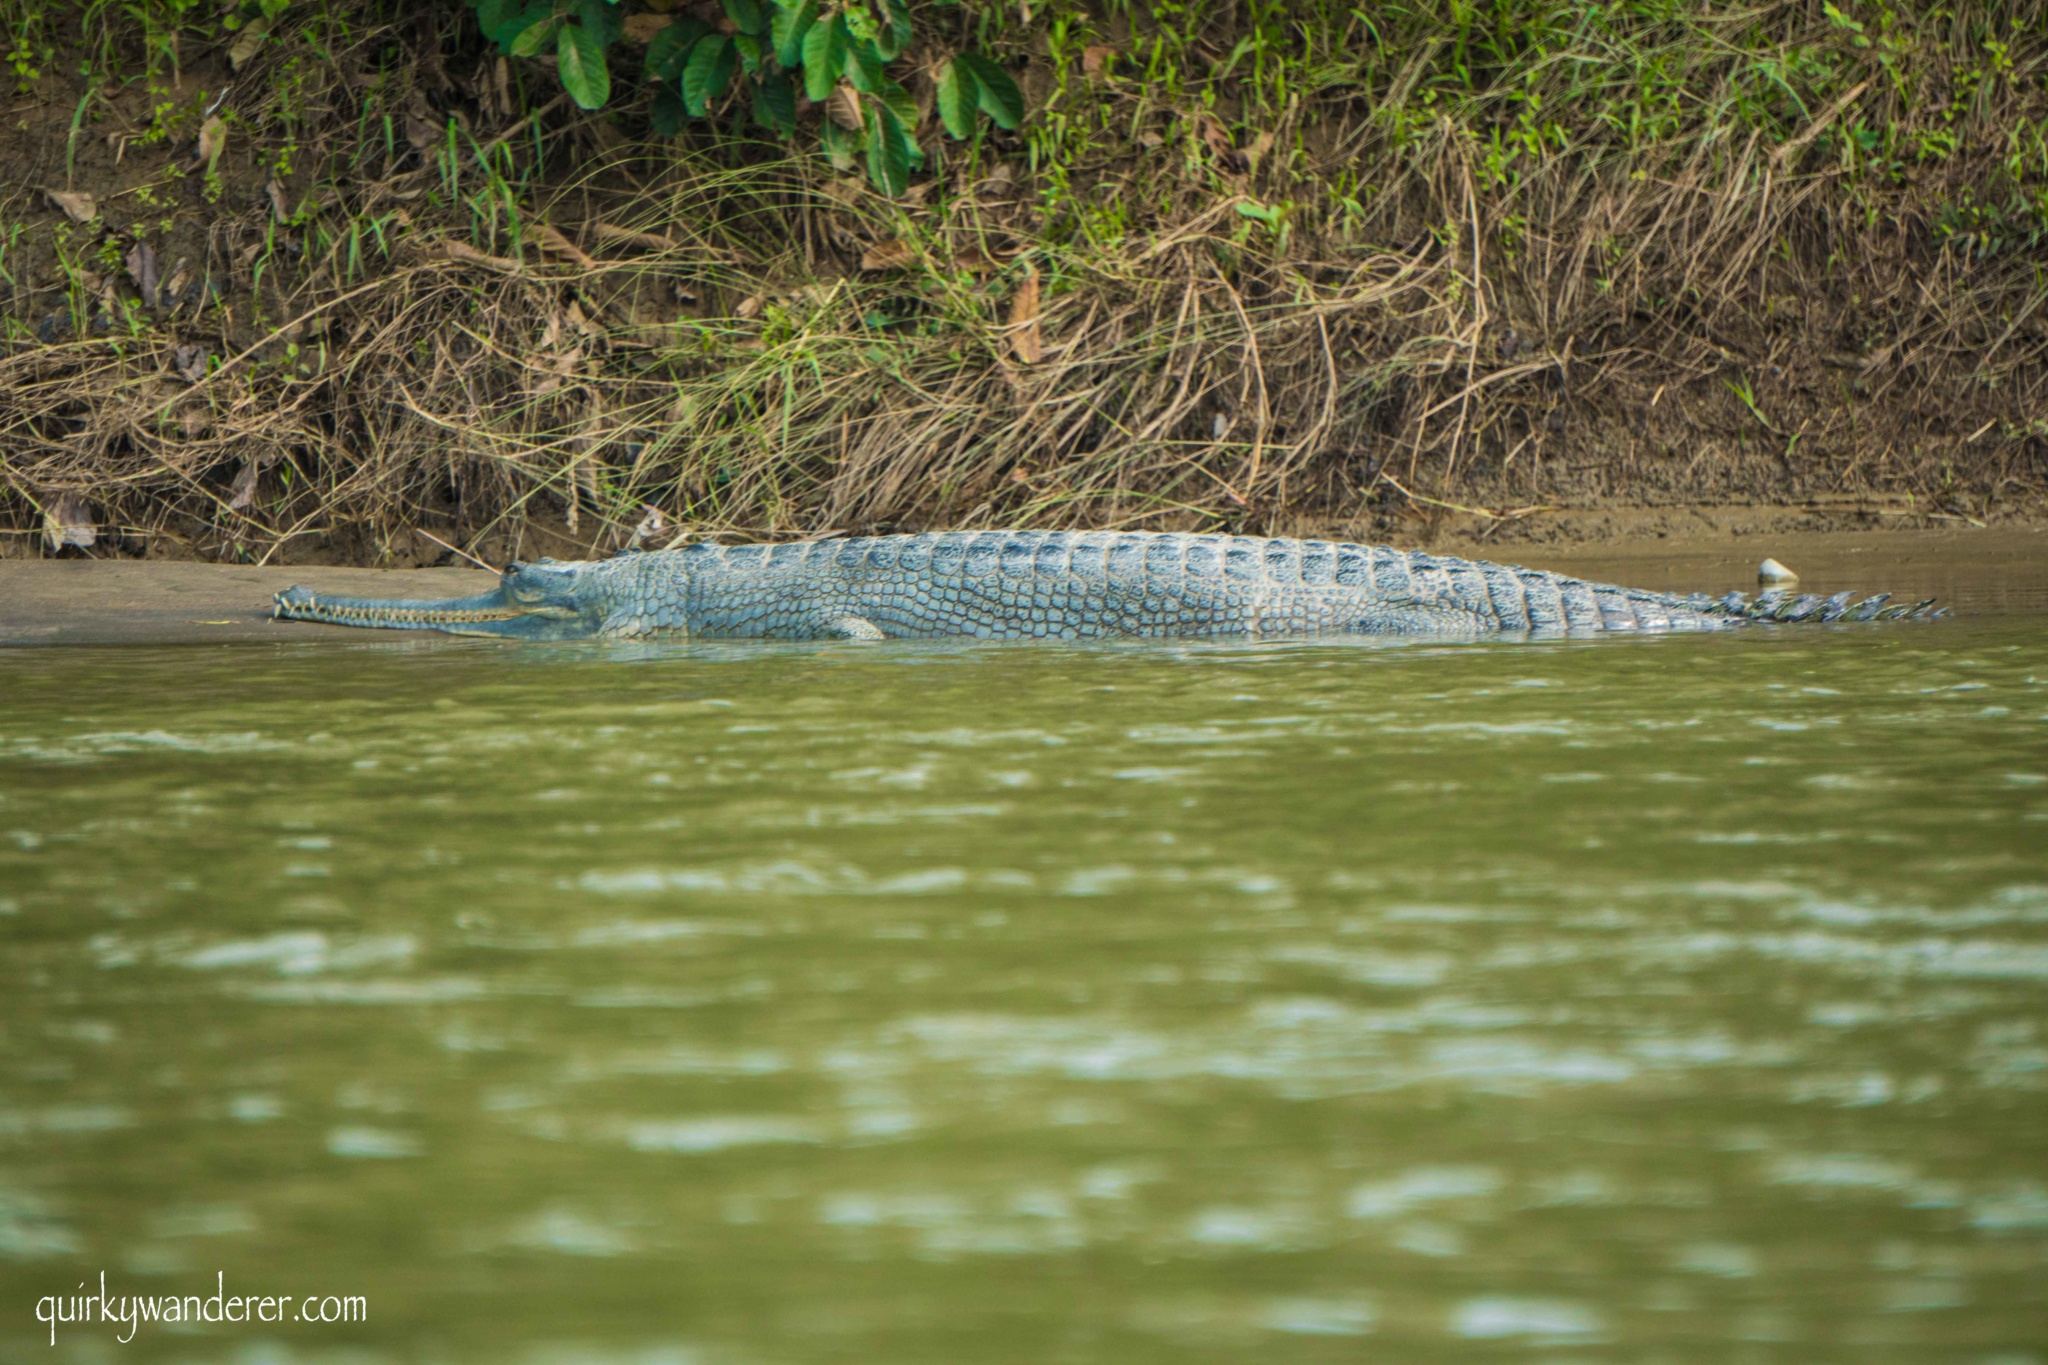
x=1132 y=555
x=1172 y=564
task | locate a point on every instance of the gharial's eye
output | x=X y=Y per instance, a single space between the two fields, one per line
x=535 y=583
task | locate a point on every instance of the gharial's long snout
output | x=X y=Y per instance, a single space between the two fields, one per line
x=531 y=602
x=447 y=613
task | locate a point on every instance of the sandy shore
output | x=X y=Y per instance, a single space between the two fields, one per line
x=128 y=601
x=88 y=602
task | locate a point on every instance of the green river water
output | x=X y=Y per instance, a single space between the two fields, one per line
x=1659 y=1000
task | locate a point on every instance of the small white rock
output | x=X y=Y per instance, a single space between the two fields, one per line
x=1771 y=571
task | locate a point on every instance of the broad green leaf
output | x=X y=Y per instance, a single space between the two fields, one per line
x=902 y=104
x=669 y=47
x=841 y=144
x=584 y=74
x=888 y=152
x=668 y=112
x=606 y=22
x=492 y=15
x=788 y=28
x=708 y=72
x=749 y=48
x=999 y=96
x=534 y=37
x=517 y=19
x=958 y=96
x=895 y=35
x=746 y=16
x=824 y=54
x=864 y=67
x=775 y=103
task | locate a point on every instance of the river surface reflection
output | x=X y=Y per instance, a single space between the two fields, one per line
x=1643 y=1000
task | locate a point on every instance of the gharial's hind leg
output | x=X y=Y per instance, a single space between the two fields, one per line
x=851 y=627
x=1403 y=617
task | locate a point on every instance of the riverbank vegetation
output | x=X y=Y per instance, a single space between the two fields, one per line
x=353 y=280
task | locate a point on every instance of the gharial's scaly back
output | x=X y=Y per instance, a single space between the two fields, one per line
x=1065 y=585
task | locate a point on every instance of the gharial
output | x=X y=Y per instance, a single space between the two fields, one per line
x=1057 y=585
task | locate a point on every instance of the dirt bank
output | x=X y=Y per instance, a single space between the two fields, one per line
x=359 y=287
x=120 y=602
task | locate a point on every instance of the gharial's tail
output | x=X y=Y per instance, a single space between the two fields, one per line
x=1426 y=593
x=1779 y=606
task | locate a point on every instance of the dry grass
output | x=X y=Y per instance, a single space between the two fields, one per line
x=1364 y=280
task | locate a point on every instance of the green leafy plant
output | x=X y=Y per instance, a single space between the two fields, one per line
x=760 y=61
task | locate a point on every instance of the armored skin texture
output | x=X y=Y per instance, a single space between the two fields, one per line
x=1056 y=585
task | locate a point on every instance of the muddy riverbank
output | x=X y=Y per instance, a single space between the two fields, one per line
x=360 y=282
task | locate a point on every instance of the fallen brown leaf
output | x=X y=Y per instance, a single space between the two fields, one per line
x=78 y=206
x=641 y=28
x=67 y=520
x=654 y=524
x=247 y=42
x=563 y=366
x=843 y=107
x=1025 y=340
x=892 y=253
x=245 y=484
x=1095 y=59
x=190 y=362
x=1260 y=145
x=275 y=192
x=551 y=239
x=463 y=251
x=213 y=140
x=141 y=264
x=422 y=134
x=498 y=88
